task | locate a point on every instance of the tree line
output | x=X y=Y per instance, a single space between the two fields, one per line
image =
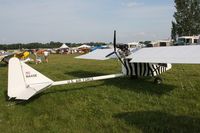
x=36 y=45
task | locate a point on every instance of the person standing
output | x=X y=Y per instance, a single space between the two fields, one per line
x=35 y=54
x=46 y=54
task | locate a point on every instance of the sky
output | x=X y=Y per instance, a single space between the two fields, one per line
x=25 y=21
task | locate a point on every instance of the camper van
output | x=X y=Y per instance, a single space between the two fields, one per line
x=188 y=40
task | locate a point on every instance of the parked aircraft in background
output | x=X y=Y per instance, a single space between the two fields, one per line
x=5 y=57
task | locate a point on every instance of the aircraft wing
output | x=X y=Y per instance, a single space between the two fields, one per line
x=172 y=54
x=99 y=54
x=6 y=55
x=1 y=57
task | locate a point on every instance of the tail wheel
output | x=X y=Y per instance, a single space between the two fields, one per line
x=158 y=80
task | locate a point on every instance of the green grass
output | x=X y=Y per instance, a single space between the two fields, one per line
x=115 y=105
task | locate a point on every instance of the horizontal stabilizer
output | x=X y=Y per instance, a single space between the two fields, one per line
x=172 y=54
x=99 y=54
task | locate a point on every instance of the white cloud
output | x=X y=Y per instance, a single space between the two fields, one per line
x=132 y=36
x=132 y=4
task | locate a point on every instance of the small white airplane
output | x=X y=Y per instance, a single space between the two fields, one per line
x=25 y=82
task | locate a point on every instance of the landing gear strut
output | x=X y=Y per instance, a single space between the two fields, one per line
x=158 y=80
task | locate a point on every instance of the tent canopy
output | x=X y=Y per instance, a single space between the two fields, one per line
x=84 y=46
x=64 y=46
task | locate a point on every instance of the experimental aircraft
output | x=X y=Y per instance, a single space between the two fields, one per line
x=25 y=82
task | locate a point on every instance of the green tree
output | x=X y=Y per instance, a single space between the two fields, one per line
x=173 y=31
x=187 y=18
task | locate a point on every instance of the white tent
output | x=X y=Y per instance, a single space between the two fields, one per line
x=84 y=46
x=64 y=46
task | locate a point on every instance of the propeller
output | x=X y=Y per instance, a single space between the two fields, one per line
x=114 y=44
x=115 y=49
x=114 y=41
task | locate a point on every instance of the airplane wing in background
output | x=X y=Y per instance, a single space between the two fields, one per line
x=99 y=54
x=7 y=56
x=172 y=54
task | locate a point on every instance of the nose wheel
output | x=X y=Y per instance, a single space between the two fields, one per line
x=158 y=80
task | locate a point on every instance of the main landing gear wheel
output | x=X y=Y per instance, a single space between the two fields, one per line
x=158 y=80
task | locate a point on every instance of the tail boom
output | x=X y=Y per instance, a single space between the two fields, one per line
x=80 y=80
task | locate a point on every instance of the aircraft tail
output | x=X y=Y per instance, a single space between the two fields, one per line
x=24 y=81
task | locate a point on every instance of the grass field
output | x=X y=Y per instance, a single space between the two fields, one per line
x=115 y=105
